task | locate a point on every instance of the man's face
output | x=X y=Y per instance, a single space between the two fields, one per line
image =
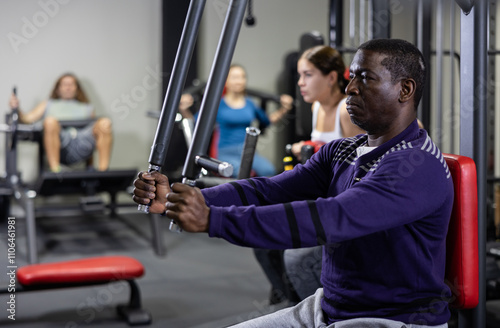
x=372 y=97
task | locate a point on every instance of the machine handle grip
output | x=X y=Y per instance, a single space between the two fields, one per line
x=223 y=168
x=145 y=208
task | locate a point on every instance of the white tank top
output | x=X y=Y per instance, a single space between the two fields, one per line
x=330 y=135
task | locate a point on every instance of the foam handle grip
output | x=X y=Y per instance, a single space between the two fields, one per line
x=145 y=208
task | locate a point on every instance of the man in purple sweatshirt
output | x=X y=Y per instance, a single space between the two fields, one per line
x=379 y=203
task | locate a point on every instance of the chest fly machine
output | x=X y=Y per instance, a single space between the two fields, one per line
x=196 y=158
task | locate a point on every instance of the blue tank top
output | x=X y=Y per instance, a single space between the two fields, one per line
x=233 y=122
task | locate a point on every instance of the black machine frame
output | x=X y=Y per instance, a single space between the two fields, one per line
x=473 y=66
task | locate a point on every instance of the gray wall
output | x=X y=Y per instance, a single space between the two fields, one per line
x=112 y=45
x=262 y=48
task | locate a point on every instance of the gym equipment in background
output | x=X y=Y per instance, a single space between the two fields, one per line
x=211 y=99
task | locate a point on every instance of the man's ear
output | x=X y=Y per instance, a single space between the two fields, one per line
x=407 y=91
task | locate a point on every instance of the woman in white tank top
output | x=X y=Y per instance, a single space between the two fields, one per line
x=322 y=83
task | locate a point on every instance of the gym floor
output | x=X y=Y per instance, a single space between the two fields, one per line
x=199 y=282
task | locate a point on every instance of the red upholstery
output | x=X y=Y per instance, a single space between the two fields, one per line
x=96 y=269
x=316 y=144
x=462 y=240
x=214 y=144
x=347 y=74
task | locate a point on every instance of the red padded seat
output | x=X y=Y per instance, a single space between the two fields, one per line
x=88 y=270
x=462 y=268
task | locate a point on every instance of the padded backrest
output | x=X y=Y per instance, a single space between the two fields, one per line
x=462 y=268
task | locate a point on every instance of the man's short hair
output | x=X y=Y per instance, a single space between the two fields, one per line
x=404 y=60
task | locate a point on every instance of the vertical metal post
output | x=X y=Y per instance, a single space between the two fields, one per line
x=423 y=43
x=336 y=11
x=492 y=92
x=25 y=199
x=156 y=222
x=352 y=23
x=29 y=208
x=10 y=150
x=215 y=85
x=452 y=77
x=381 y=19
x=176 y=84
x=175 y=87
x=494 y=71
x=473 y=109
x=251 y=138
x=362 y=21
x=213 y=91
x=438 y=138
x=370 y=21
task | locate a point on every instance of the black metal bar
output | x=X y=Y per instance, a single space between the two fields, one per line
x=381 y=19
x=173 y=18
x=223 y=168
x=26 y=200
x=251 y=138
x=480 y=154
x=10 y=149
x=424 y=9
x=466 y=111
x=438 y=137
x=156 y=221
x=176 y=84
x=473 y=107
x=215 y=85
x=452 y=77
x=336 y=28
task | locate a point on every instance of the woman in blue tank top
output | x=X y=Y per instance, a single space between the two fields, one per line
x=237 y=112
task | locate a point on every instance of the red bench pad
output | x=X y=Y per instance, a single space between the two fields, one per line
x=462 y=273
x=94 y=269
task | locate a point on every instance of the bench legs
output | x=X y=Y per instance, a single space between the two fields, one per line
x=133 y=312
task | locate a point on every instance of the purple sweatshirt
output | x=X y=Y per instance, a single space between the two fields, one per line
x=382 y=218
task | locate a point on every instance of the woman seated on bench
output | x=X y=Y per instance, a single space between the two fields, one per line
x=69 y=145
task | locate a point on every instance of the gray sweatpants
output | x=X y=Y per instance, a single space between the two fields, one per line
x=308 y=313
